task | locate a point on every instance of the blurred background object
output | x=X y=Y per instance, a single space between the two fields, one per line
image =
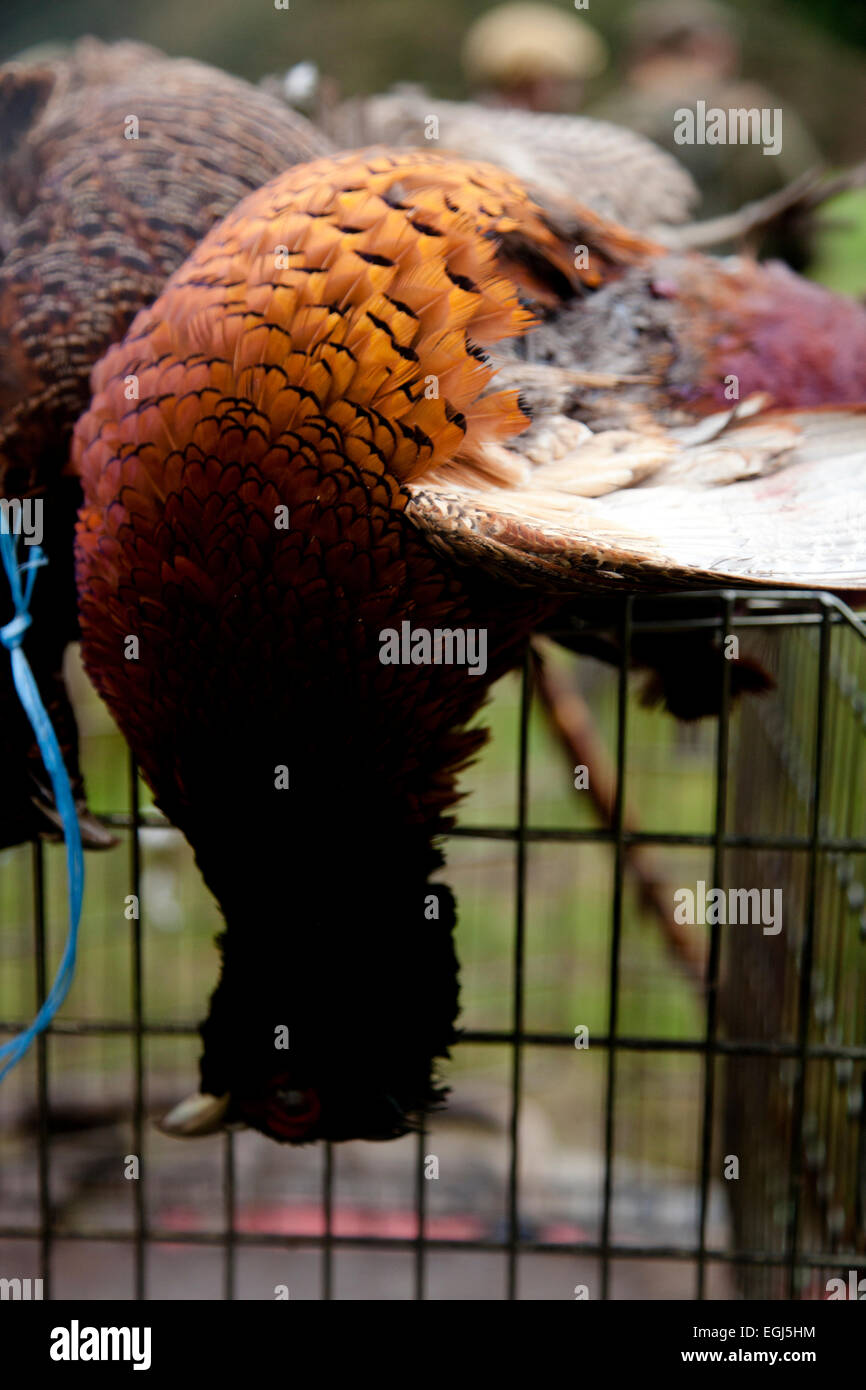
x=812 y=53
x=532 y=55
x=681 y=52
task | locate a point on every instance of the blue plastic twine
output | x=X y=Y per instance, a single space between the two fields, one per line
x=11 y=637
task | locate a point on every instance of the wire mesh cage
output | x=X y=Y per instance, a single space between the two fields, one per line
x=800 y=995
x=641 y=1106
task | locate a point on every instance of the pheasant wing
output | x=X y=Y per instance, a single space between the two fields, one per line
x=777 y=500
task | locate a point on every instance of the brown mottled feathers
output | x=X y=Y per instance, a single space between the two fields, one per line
x=92 y=224
x=103 y=219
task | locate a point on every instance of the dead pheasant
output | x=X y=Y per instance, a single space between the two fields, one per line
x=319 y=471
x=114 y=162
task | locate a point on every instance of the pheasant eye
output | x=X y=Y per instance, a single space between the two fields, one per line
x=292 y=1100
x=291 y=1114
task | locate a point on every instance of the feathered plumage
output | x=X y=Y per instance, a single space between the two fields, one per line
x=95 y=213
x=320 y=453
x=613 y=171
x=391 y=390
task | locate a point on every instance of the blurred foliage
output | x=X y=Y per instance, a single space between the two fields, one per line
x=840 y=263
x=844 y=18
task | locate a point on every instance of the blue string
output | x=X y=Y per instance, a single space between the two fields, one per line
x=11 y=637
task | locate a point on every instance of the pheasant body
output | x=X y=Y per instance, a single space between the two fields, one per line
x=282 y=375
x=317 y=368
x=115 y=162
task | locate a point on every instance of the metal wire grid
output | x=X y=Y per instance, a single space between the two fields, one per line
x=812 y=987
x=821 y=841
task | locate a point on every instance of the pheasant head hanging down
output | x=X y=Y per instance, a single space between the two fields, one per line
x=326 y=500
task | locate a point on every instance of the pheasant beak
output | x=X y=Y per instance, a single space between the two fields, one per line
x=198 y=1114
